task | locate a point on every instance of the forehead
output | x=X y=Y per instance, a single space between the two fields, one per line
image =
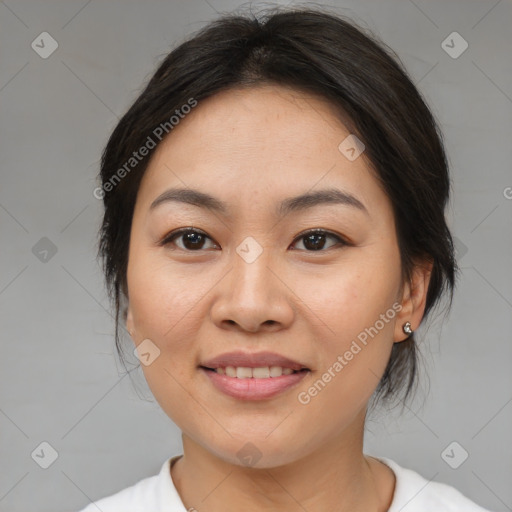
x=250 y=143
x=280 y=118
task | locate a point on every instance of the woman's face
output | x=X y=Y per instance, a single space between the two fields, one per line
x=249 y=279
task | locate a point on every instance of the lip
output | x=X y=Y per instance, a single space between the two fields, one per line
x=254 y=360
x=253 y=389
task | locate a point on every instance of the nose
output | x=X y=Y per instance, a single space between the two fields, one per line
x=253 y=296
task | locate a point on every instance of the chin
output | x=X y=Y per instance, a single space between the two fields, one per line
x=258 y=452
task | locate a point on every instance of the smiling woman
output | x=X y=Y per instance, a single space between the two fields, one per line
x=271 y=258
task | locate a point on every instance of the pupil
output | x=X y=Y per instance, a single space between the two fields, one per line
x=194 y=239
x=314 y=244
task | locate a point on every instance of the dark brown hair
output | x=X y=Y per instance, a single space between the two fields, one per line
x=321 y=53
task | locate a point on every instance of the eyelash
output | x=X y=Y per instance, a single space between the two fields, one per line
x=169 y=238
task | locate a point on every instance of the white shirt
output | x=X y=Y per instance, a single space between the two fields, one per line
x=413 y=493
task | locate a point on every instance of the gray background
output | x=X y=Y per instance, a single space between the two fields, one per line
x=61 y=381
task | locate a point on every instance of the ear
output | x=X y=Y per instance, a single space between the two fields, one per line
x=129 y=321
x=413 y=300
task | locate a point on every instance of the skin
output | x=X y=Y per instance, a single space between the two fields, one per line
x=252 y=148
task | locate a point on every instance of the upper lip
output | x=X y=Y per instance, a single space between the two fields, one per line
x=254 y=360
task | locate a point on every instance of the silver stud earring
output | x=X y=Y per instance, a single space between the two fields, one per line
x=407 y=328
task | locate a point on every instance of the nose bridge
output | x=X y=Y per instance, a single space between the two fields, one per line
x=252 y=278
x=253 y=295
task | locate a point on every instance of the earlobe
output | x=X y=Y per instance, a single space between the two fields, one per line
x=413 y=303
x=407 y=328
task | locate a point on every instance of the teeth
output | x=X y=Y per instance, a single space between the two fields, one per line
x=261 y=373
x=243 y=372
x=276 y=371
x=264 y=372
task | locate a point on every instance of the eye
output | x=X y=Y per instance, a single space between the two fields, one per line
x=193 y=239
x=314 y=239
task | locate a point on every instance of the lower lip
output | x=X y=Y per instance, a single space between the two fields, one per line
x=253 y=389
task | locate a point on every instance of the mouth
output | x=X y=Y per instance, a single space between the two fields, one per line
x=253 y=388
x=253 y=376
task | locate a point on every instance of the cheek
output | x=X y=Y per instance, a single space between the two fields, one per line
x=350 y=298
x=162 y=298
x=162 y=303
x=357 y=325
x=355 y=348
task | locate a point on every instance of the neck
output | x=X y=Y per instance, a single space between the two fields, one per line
x=337 y=477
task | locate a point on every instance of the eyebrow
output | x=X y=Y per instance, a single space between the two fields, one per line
x=291 y=204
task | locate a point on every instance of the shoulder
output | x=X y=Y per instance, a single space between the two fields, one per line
x=155 y=493
x=414 y=493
